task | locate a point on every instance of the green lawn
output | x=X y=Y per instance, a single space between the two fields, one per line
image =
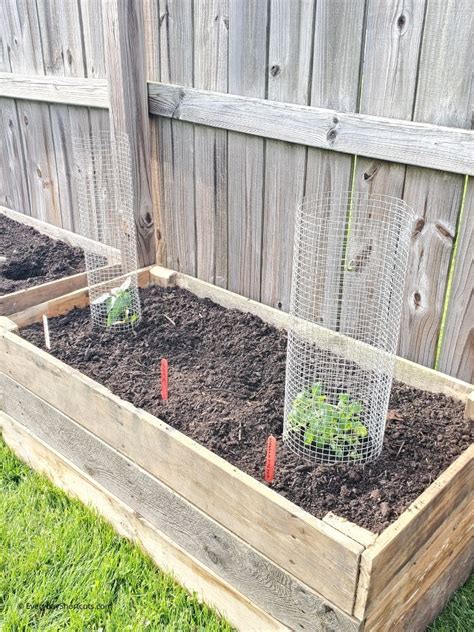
x=55 y=551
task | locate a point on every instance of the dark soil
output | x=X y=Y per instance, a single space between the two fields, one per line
x=226 y=391
x=33 y=258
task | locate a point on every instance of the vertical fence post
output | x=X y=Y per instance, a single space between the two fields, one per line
x=124 y=36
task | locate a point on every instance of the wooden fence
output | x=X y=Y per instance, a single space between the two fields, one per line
x=249 y=106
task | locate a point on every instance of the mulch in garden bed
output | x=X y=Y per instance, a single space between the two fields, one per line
x=33 y=258
x=227 y=373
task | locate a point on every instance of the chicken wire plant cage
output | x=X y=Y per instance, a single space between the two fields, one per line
x=104 y=187
x=349 y=267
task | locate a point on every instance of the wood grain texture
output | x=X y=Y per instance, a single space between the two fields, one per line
x=229 y=557
x=13 y=185
x=338 y=48
x=388 y=82
x=63 y=56
x=434 y=146
x=211 y=29
x=457 y=347
x=65 y=90
x=384 y=564
x=443 y=98
x=151 y=11
x=232 y=498
x=247 y=67
x=434 y=599
x=22 y=35
x=194 y=576
x=176 y=140
x=23 y=299
x=429 y=564
x=64 y=304
x=290 y=48
x=125 y=56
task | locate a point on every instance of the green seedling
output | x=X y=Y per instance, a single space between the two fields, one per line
x=118 y=305
x=326 y=425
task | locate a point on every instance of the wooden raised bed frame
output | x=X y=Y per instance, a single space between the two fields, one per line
x=21 y=300
x=259 y=559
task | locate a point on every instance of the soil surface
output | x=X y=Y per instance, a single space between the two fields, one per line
x=226 y=391
x=33 y=258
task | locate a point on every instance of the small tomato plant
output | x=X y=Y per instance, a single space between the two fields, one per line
x=325 y=425
x=118 y=305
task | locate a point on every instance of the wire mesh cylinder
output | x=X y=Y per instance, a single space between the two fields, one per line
x=349 y=268
x=105 y=192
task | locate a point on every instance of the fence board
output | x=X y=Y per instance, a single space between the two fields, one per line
x=392 y=46
x=246 y=155
x=335 y=84
x=63 y=55
x=92 y=20
x=211 y=28
x=13 y=187
x=176 y=147
x=443 y=98
x=457 y=349
x=388 y=84
x=125 y=57
x=23 y=38
x=152 y=59
x=290 y=47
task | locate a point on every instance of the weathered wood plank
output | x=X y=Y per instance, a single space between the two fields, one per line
x=176 y=140
x=66 y=303
x=23 y=299
x=413 y=143
x=433 y=600
x=232 y=498
x=13 y=185
x=443 y=98
x=400 y=597
x=389 y=75
x=151 y=12
x=457 y=345
x=229 y=557
x=395 y=548
x=210 y=145
x=125 y=57
x=246 y=155
x=128 y=523
x=289 y=73
x=63 y=56
x=23 y=38
x=55 y=89
x=338 y=48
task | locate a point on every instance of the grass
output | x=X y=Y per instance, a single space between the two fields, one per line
x=53 y=550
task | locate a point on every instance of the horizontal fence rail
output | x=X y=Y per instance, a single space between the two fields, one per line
x=66 y=90
x=420 y=144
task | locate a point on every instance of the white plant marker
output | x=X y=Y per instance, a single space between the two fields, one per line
x=46 y=332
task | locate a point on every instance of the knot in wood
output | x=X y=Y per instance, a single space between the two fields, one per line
x=275 y=70
x=331 y=135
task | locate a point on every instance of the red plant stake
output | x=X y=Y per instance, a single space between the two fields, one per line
x=164 y=379
x=271 y=458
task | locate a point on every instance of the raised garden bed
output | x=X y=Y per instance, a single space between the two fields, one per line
x=39 y=261
x=258 y=556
